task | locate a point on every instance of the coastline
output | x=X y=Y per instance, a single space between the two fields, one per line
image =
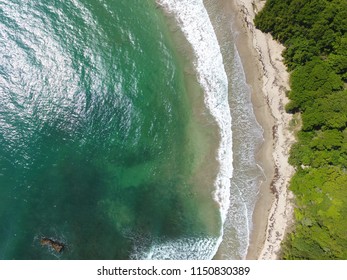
x=207 y=83
x=269 y=80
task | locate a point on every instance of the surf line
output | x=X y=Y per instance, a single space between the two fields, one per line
x=195 y=23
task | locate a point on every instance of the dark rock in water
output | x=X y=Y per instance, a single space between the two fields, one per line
x=57 y=246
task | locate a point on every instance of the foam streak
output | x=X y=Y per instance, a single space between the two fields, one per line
x=195 y=23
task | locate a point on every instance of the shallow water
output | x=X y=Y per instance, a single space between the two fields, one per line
x=247 y=137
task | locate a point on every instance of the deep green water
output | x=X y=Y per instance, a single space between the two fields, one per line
x=95 y=142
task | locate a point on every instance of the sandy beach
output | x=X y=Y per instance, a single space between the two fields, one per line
x=267 y=75
x=269 y=81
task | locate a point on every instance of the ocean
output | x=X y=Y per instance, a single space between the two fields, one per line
x=116 y=141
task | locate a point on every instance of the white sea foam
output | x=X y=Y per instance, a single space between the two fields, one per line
x=195 y=23
x=250 y=126
x=247 y=174
x=187 y=248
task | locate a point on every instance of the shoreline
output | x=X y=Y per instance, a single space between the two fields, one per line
x=247 y=137
x=195 y=35
x=269 y=81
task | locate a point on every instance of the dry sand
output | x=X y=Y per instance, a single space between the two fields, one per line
x=266 y=73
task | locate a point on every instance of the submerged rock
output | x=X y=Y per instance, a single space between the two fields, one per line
x=57 y=246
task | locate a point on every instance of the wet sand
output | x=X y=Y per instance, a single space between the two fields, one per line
x=268 y=79
x=267 y=75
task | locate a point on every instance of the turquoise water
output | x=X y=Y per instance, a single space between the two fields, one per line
x=96 y=149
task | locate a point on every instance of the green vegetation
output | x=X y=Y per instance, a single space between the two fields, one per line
x=314 y=34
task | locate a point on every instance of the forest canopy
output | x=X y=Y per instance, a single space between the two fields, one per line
x=314 y=35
